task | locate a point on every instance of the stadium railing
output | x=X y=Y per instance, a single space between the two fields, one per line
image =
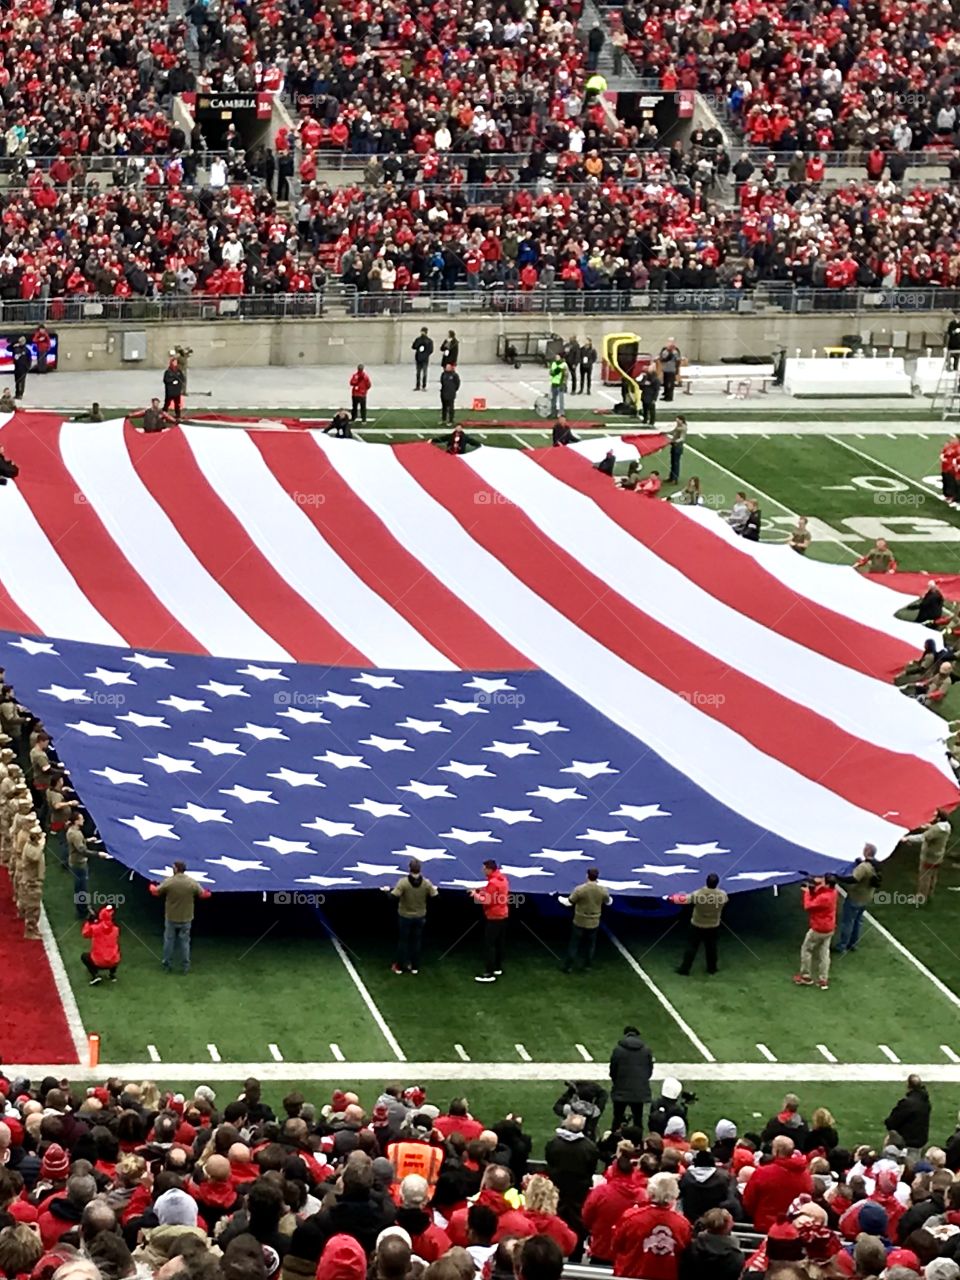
x=337 y=299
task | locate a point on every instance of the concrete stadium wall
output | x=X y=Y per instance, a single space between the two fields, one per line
x=340 y=341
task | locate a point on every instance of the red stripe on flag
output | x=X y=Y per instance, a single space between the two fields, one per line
x=870 y=777
x=218 y=540
x=12 y=617
x=364 y=543
x=81 y=541
x=731 y=576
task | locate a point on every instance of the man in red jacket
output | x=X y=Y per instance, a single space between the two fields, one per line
x=820 y=904
x=624 y=1187
x=774 y=1186
x=494 y=1185
x=494 y=899
x=104 y=950
x=651 y=1238
x=360 y=384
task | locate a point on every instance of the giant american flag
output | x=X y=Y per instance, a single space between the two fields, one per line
x=290 y=661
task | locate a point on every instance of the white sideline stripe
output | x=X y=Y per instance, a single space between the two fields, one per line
x=765 y=1052
x=648 y=982
x=888 y=1052
x=378 y=1072
x=366 y=997
x=96 y=457
x=68 y=1000
x=583 y=1052
x=337 y=1053
x=917 y=964
x=154 y=1052
x=214 y=1053
x=949 y=1053
x=275 y=1053
x=461 y=1053
x=826 y=1053
x=914 y=484
x=524 y=1056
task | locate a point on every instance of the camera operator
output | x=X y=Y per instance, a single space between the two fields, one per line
x=861 y=884
x=673 y=1101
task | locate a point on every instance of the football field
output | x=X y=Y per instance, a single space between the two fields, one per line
x=302 y=990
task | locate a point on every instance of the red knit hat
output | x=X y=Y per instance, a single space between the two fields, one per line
x=15 y=1125
x=904 y=1258
x=55 y=1165
x=339 y=1100
x=784 y=1243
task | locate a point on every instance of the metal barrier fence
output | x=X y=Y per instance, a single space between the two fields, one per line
x=337 y=300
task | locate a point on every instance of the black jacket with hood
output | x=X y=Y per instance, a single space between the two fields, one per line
x=631 y=1066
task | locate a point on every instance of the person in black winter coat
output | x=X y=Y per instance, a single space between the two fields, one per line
x=952 y=1149
x=174 y=385
x=714 y=1253
x=910 y=1118
x=510 y=1134
x=705 y=1186
x=571 y=1163
x=356 y=1209
x=631 y=1066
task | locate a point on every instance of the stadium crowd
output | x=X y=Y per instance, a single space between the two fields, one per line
x=124 y=1180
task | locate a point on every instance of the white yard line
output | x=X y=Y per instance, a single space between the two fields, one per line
x=71 y=1012
x=338 y=1055
x=917 y=964
x=584 y=1052
x=522 y=1053
x=671 y=1009
x=888 y=1053
x=949 y=1054
x=274 y=1051
x=214 y=1053
x=462 y=1054
x=765 y=1052
x=822 y=1048
x=154 y=1052
x=822 y=1072
x=899 y=475
x=365 y=996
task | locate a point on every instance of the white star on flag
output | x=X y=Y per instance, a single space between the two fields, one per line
x=675 y=870
x=424 y=791
x=295 y=779
x=608 y=837
x=510 y=816
x=201 y=814
x=511 y=749
x=385 y=744
x=143 y=721
x=148 y=662
x=93 y=730
x=171 y=764
x=376 y=682
x=329 y=828
x=263 y=733
x=327 y=882
x=524 y=873
x=423 y=855
x=762 y=875
x=588 y=769
x=184 y=704
x=469 y=837
x=218 y=748
x=224 y=690
x=304 y=717
x=463 y=884
x=563 y=855
x=341 y=761
x=110 y=677
x=200 y=876
x=461 y=708
x=262 y=673
x=63 y=694
x=375 y=869
x=249 y=795
x=379 y=809
x=423 y=726
x=146 y=829
x=119 y=778
x=343 y=700
x=639 y=812
x=281 y=846
x=486 y=685
x=625 y=884
x=540 y=727
x=556 y=795
x=238 y=864
x=33 y=647
x=697 y=850
x=467 y=770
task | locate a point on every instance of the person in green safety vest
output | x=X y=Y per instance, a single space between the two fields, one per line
x=594 y=85
x=558 y=384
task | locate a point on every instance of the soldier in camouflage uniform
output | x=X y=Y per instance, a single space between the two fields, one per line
x=24 y=821
x=30 y=882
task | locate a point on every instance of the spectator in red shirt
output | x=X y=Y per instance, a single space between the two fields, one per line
x=774 y=1186
x=494 y=898
x=623 y=1187
x=360 y=384
x=458 y=1120
x=651 y=1239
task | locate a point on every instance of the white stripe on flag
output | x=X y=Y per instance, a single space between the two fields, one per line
x=737 y=774
x=850 y=594
x=40 y=583
x=868 y=709
x=235 y=469
x=96 y=456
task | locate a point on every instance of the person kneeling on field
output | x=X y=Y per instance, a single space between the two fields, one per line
x=104 y=953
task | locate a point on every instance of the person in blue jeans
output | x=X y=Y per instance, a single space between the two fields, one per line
x=861 y=884
x=179 y=893
x=412 y=891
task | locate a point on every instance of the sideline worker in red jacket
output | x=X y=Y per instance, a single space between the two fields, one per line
x=360 y=384
x=104 y=951
x=774 y=1186
x=820 y=904
x=494 y=898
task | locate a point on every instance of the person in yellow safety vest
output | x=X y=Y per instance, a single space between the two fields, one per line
x=416 y=1155
x=595 y=84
